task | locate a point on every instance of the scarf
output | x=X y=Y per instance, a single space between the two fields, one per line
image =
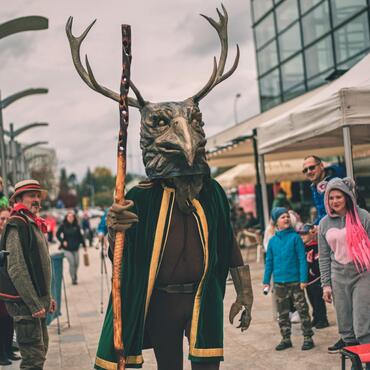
x=39 y=221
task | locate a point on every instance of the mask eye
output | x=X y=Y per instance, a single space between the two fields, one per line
x=159 y=121
x=196 y=118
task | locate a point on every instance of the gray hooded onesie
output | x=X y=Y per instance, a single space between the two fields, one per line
x=351 y=289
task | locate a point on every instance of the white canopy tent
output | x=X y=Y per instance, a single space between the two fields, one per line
x=338 y=116
x=319 y=121
x=225 y=150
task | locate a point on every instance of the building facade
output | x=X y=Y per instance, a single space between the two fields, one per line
x=301 y=44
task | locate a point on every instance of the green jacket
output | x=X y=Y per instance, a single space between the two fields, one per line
x=144 y=245
x=4 y=202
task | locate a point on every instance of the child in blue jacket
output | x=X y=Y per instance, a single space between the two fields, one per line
x=286 y=261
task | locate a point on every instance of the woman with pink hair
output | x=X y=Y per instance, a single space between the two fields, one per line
x=344 y=250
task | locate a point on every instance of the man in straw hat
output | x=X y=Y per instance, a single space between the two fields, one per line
x=26 y=286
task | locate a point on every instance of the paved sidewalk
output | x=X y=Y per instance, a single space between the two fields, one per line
x=75 y=348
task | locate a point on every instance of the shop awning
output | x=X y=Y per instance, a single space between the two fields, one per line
x=276 y=171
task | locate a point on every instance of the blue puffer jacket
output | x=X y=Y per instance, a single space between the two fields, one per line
x=286 y=258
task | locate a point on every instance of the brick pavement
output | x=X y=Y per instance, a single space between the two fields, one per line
x=75 y=348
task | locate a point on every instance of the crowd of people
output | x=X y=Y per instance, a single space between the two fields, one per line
x=328 y=257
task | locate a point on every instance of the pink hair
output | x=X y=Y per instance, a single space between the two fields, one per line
x=358 y=241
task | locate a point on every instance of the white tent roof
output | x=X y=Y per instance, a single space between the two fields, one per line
x=242 y=152
x=317 y=122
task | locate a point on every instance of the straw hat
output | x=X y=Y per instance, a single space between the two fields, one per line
x=28 y=185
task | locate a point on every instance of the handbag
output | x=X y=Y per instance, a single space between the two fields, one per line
x=86 y=259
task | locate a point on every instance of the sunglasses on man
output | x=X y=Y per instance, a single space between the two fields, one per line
x=310 y=168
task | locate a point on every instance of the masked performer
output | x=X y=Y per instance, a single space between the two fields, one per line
x=179 y=244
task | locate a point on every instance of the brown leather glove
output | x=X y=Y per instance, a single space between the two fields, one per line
x=119 y=218
x=244 y=299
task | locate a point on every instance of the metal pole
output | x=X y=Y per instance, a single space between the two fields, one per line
x=13 y=153
x=4 y=173
x=265 y=204
x=236 y=97
x=259 y=200
x=348 y=151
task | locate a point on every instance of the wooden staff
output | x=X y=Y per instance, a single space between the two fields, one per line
x=120 y=194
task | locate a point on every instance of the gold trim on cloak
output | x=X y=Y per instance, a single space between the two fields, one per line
x=158 y=242
x=202 y=226
x=108 y=365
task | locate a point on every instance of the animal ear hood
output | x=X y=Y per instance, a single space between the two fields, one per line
x=346 y=185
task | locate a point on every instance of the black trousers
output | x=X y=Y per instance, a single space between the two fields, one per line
x=314 y=292
x=169 y=318
x=6 y=335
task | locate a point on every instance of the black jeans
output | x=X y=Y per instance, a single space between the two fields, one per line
x=6 y=335
x=314 y=292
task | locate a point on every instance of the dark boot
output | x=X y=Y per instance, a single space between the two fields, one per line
x=322 y=324
x=13 y=356
x=307 y=344
x=284 y=344
x=4 y=361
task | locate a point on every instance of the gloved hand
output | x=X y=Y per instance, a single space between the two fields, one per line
x=244 y=299
x=119 y=218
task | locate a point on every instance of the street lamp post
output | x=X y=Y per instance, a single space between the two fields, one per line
x=3 y=104
x=28 y=23
x=236 y=97
x=24 y=162
x=12 y=133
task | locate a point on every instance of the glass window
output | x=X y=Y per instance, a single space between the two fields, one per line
x=260 y=8
x=349 y=63
x=292 y=72
x=352 y=38
x=286 y=13
x=289 y=42
x=307 y=5
x=292 y=93
x=343 y=9
x=319 y=57
x=265 y=30
x=319 y=80
x=267 y=58
x=316 y=23
x=270 y=90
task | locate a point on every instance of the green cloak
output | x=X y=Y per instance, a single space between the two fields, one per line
x=144 y=246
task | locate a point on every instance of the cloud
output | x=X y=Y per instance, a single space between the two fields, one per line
x=172 y=60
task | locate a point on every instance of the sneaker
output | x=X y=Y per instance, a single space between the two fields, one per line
x=337 y=346
x=284 y=344
x=307 y=344
x=322 y=324
x=294 y=318
x=13 y=356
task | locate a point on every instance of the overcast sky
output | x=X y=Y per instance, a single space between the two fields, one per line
x=172 y=49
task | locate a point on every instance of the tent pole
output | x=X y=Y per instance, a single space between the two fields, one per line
x=259 y=207
x=265 y=204
x=348 y=151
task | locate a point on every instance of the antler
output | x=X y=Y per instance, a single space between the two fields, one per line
x=218 y=68
x=88 y=76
